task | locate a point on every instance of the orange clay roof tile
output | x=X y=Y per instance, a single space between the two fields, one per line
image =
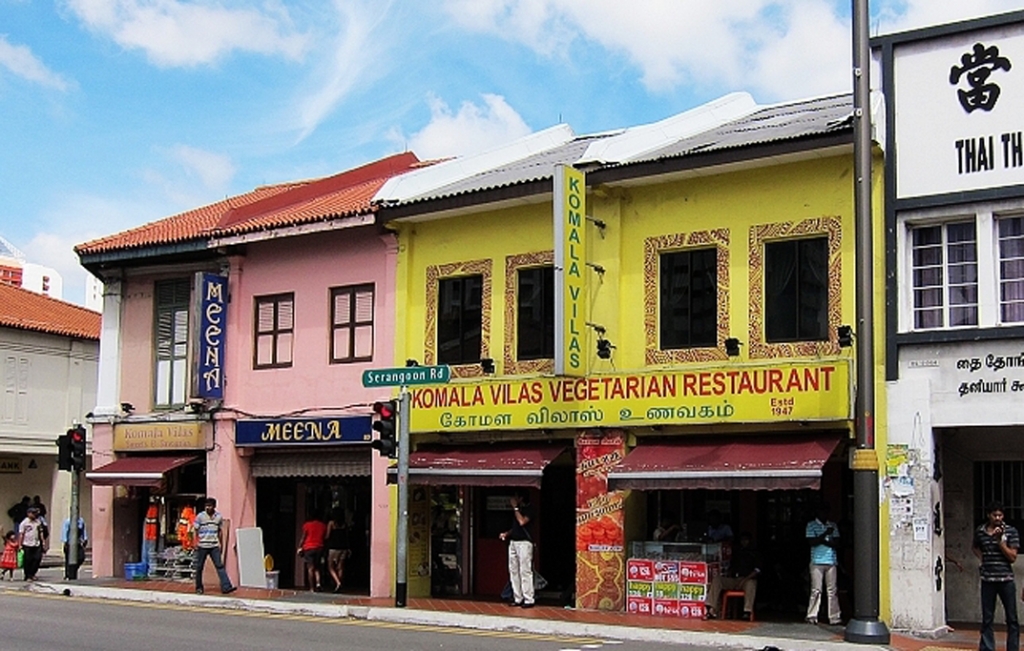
x=181 y=227
x=25 y=310
x=289 y=204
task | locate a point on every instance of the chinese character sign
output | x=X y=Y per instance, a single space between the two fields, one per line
x=976 y=68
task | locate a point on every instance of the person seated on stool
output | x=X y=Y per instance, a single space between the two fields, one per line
x=742 y=575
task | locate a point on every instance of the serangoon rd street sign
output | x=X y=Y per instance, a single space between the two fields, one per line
x=403 y=376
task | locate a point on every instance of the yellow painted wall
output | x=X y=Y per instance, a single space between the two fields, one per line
x=737 y=201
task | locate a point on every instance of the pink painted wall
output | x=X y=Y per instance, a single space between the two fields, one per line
x=101 y=524
x=308 y=266
x=137 y=353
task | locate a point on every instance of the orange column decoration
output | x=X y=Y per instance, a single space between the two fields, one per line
x=600 y=538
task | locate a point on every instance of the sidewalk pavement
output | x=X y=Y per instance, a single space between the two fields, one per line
x=544 y=620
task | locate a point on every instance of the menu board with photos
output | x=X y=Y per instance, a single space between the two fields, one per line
x=667 y=588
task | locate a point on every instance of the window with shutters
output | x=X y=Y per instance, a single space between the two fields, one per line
x=172 y=300
x=352 y=324
x=275 y=331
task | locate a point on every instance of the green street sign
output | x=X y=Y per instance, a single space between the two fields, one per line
x=395 y=377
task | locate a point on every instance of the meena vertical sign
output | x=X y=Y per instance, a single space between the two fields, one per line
x=212 y=290
x=570 y=195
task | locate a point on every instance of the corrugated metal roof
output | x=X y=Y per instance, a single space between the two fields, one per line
x=532 y=168
x=775 y=123
x=769 y=124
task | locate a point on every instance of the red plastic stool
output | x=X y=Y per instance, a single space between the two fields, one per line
x=732 y=594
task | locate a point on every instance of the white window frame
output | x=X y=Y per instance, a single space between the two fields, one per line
x=998 y=259
x=985 y=216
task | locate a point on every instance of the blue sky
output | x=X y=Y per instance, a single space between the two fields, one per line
x=114 y=113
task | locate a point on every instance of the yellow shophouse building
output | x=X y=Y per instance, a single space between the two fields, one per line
x=649 y=332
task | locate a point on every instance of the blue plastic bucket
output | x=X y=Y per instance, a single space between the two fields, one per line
x=135 y=571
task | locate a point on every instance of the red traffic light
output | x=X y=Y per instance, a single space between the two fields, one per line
x=385 y=410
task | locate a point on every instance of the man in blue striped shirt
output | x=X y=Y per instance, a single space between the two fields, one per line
x=823 y=537
x=995 y=545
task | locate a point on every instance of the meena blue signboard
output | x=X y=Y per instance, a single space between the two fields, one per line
x=213 y=294
x=303 y=432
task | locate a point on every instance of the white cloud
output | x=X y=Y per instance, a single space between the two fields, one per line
x=175 y=33
x=19 y=60
x=473 y=128
x=353 y=50
x=810 y=53
x=779 y=49
x=214 y=170
x=911 y=14
x=77 y=219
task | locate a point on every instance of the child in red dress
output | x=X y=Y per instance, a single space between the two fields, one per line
x=9 y=559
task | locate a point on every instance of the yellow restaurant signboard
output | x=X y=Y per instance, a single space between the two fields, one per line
x=794 y=391
x=159 y=436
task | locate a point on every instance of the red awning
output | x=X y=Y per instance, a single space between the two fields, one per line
x=733 y=463
x=137 y=471
x=494 y=465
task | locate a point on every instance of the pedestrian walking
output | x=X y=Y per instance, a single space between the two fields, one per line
x=9 y=559
x=33 y=541
x=339 y=548
x=311 y=549
x=209 y=536
x=520 y=552
x=996 y=544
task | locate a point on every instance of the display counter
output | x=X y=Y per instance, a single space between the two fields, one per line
x=671 y=578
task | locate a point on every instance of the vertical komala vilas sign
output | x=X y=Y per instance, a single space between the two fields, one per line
x=570 y=194
x=211 y=290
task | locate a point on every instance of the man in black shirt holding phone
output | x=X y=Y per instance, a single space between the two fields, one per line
x=520 y=552
x=995 y=545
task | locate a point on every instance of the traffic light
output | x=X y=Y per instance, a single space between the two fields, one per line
x=77 y=437
x=64 y=452
x=386 y=427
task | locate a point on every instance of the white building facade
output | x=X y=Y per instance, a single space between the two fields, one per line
x=955 y=306
x=48 y=366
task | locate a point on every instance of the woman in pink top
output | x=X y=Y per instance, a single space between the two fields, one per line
x=311 y=549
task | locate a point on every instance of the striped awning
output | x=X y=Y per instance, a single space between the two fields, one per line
x=336 y=463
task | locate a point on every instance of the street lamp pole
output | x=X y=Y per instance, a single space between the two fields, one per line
x=864 y=627
x=402 y=548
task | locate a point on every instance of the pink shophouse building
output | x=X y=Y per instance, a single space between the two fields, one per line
x=233 y=342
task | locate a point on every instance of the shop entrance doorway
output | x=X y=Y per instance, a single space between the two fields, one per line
x=777 y=522
x=284 y=504
x=469 y=558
